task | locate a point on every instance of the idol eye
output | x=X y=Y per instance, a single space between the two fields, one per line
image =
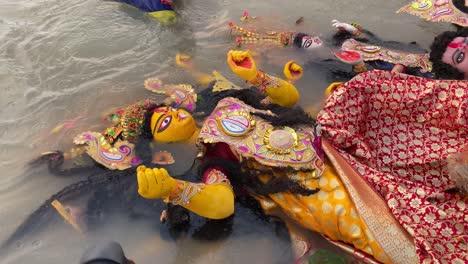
x=307 y=43
x=460 y=57
x=164 y=124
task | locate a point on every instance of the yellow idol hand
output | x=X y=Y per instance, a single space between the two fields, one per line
x=242 y=64
x=293 y=71
x=184 y=61
x=154 y=183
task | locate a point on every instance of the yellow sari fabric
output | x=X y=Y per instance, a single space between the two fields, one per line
x=330 y=212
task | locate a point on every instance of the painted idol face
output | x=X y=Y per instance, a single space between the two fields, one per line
x=310 y=42
x=172 y=125
x=455 y=54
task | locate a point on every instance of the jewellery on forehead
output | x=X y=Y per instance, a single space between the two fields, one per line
x=436 y=11
x=372 y=53
x=132 y=120
x=285 y=38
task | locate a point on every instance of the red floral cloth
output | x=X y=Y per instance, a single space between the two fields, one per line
x=397 y=131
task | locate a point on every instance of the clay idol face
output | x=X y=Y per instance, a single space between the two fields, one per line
x=172 y=125
x=309 y=42
x=455 y=54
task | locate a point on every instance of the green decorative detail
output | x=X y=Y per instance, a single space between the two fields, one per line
x=200 y=100
x=326 y=257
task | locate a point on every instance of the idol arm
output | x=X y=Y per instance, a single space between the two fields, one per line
x=213 y=199
x=279 y=91
x=185 y=62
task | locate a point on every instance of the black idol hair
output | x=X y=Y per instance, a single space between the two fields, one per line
x=283 y=116
x=460 y=5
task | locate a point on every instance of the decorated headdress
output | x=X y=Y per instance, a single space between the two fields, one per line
x=251 y=37
x=355 y=50
x=285 y=39
x=452 y=11
x=181 y=95
x=113 y=148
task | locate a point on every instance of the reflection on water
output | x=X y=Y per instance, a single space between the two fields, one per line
x=66 y=60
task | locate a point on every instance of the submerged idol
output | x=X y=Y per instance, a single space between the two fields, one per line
x=127 y=142
x=372 y=176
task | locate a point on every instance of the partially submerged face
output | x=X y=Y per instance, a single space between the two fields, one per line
x=455 y=54
x=311 y=42
x=172 y=125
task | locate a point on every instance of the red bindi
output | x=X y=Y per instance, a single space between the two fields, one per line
x=455 y=45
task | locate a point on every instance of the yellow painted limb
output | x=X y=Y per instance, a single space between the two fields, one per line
x=213 y=201
x=202 y=78
x=184 y=61
x=66 y=216
x=280 y=91
x=165 y=17
x=242 y=64
x=293 y=71
x=331 y=88
x=154 y=183
x=285 y=95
